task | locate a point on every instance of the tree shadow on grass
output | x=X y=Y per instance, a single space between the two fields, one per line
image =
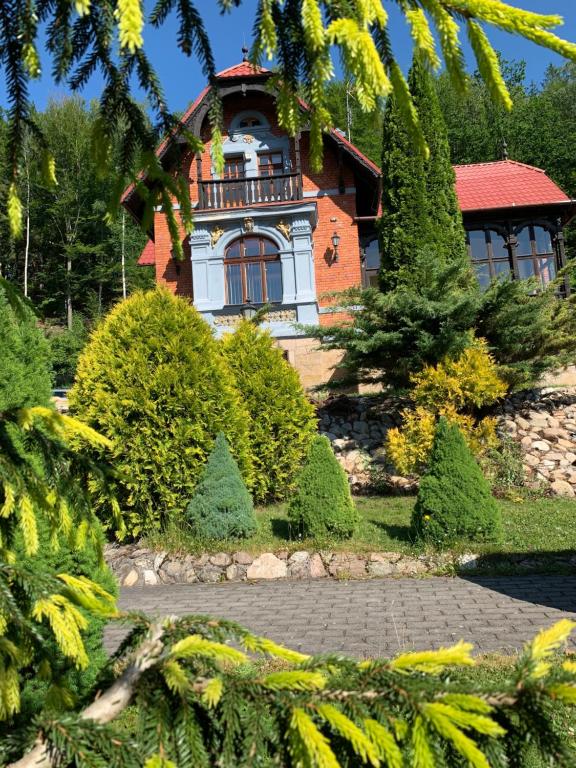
x=399 y=532
x=282 y=528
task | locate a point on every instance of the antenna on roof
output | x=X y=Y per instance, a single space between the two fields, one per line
x=504 y=150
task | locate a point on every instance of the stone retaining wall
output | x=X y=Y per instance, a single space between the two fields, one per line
x=136 y=566
x=542 y=421
x=544 y=424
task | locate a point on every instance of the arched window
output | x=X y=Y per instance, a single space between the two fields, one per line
x=253 y=271
x=250 y=122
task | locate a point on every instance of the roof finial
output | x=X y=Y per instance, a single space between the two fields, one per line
x=504 y=150
x=245 y=52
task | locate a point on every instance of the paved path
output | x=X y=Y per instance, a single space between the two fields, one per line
x=374 y=618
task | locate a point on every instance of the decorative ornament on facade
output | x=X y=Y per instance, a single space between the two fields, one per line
x=284 y=228
x=248 y=138
x=274 y=316
x=249 y=224
x=216 y=234
x=227 y=321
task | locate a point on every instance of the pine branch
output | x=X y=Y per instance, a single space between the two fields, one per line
x=113 y=701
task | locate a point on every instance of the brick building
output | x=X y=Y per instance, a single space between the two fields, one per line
x=271 y=230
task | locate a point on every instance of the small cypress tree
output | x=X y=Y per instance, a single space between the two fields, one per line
x=282 y=420
x=323 y=506
x=221 y=507
x=454 y=501
x=419 y=204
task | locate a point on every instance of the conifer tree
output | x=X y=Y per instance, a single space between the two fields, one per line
x=221 y=507
x=322 y=506
x=454 y=500
x=282 y=421
x=419 y=205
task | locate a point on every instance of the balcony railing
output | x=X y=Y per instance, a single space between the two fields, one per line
x=236 y=193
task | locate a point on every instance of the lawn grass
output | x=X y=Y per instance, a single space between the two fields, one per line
x=530 y=525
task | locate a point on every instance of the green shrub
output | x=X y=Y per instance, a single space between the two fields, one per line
x=323 y=506
x=282 y=421
x=65 y=348
x=454 y=501
x=152 y=379
x=222 y=506
x=24 y=360
x=70 y=559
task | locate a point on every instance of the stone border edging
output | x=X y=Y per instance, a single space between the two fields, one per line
x=137 y=566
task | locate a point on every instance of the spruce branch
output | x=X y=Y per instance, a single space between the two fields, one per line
x=113 y=701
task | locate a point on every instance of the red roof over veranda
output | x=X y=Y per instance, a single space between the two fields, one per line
x=505 y=184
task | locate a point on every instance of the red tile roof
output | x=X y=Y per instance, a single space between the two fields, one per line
x=148 y=255
x=504 y=184
x=244 y=69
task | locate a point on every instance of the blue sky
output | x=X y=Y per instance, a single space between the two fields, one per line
x=182 y=78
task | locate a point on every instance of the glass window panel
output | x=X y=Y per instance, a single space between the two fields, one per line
x=373 y=279
x=251 y=247
x=274 y=280
x=478 y=247
x=547 y=269
x=499 y=249
x=233 y=251
x=254 y=283
x=483 y=274
x=502 y=269
x=270 y=248
x=234 y=168
x=525 y=268
x=372 y=255
x=234 y=283
x=543 y=240
x=524 y=242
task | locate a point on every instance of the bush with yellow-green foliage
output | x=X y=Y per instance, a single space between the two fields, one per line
x=454 y=389
x=282 y=420
x=153 y=381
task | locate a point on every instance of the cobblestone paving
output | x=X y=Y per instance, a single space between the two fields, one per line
x=373 y=618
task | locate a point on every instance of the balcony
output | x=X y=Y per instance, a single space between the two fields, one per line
x=239 y=193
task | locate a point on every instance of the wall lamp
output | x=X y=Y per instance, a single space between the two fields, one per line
x=248 y=309
x=335 y=243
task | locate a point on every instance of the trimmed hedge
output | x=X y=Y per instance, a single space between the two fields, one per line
x=152 y=379
x=282 y=421
x=222 y=506
x=78 y=562
x=454 y=501
x=322 y=506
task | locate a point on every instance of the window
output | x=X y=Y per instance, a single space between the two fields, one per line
x=253 y=271
x=270 y=163
x=234 y=167
x=535 y=253
x=489 y=255
x=233 y=191
x=250 y=122
x=371 y=263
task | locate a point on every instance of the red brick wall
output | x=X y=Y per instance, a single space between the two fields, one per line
x=175 y=275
